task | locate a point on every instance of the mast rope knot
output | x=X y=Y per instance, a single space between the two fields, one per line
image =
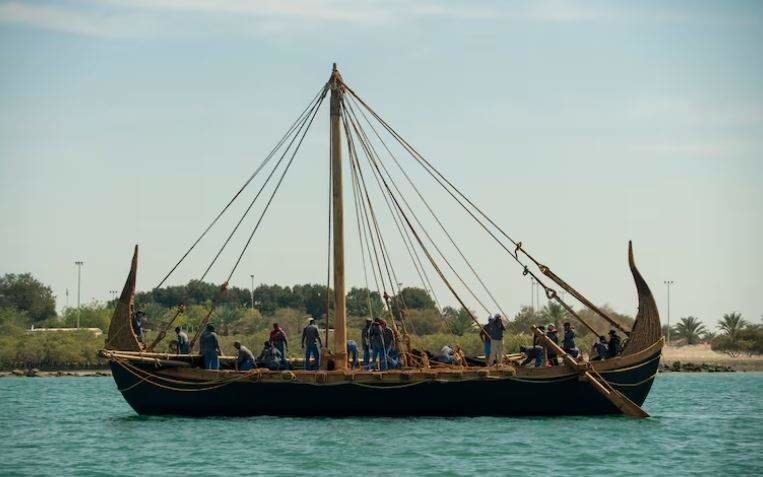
x=525 y=271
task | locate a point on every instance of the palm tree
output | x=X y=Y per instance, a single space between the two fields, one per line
x=731 y=325
x=554 y=313
x=690 y=329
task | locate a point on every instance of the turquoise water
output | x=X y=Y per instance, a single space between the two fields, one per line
x=702 y=424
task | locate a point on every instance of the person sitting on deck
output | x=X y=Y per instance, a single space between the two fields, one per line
x=568 y=344
x=495 y=331
x=184 y=344
x=599 y=349
x=352 y=353
x=279 y=340
x=378 y=350
x=613 y=347
x=553 y=335
x=366 y=340
x=311 y=343
x=269 y=357
x=209 y=346
x=534 y=352
x=137 y=324
x=446 y=354
x=245 y=360
x=485 y=337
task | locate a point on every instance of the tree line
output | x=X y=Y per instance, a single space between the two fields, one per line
x=26 y=302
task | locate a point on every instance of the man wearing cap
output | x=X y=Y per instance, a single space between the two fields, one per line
x=495 y=331
x=209 y=346
x=485 y=337
x=245 y=360
x=366 y=341
x=613 y=347
x=311 y=343
x=553 y=335
x=184 y=345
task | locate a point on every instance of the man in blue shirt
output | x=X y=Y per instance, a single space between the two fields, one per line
x=311 y=342
x=209 y=346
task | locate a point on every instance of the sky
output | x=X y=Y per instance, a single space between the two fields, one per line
x=577 y=126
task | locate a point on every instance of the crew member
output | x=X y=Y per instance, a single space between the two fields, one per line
x=184 y=345
x=352 y=353
x=568 y=344
x=378 y=350
x=390 y=345
x=269 y=357
x=311 y=342
x=613 y=347
x=137 y=322
x=279 y=340
x=553 y=335
x=209 y=346
x=599 y=349
x=245 y=360
x=495 y=331
x=485 y=337
x=446 y=354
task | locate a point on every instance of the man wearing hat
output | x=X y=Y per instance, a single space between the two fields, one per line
x=485 y=337
x=495 y=330
x=311 y=343
x=365 y=338
x=209 y=346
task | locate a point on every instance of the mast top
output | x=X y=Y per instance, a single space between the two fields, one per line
x=336 y=77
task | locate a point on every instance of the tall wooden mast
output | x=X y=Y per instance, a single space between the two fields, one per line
x=340 y=313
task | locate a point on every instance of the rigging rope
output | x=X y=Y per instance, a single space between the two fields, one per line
x=235 y=196
x=259 y=192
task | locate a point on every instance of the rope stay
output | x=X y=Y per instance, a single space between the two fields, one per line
x=429 y=209
x=460 y=198
x=241 y=189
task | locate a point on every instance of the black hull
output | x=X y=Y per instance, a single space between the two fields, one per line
x=516 y=396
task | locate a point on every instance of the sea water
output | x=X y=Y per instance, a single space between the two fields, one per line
x=703 y=424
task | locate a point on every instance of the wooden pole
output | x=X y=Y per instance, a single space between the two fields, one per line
x=340 y=317
x=625 y=405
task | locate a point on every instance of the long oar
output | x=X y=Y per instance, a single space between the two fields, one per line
x=625 y=405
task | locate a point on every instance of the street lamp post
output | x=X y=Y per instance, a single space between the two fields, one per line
x=532 y=294
x=668 y=284
x=79 y=264
x=251 y=291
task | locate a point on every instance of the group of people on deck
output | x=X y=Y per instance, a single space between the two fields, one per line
x=379 y=344
x=539 y=352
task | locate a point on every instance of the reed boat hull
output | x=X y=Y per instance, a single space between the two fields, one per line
x=550 y=391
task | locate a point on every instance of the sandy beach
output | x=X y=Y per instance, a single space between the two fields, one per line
x=701 y=353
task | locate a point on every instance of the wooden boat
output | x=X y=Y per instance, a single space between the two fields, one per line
x=161 y=383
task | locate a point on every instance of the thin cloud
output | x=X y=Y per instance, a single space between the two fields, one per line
x=149 y=18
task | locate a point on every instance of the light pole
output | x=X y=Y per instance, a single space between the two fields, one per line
x=113 y=294
x=668 y=283
x=532 y=294
x=251 y=291
x=79 y=264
